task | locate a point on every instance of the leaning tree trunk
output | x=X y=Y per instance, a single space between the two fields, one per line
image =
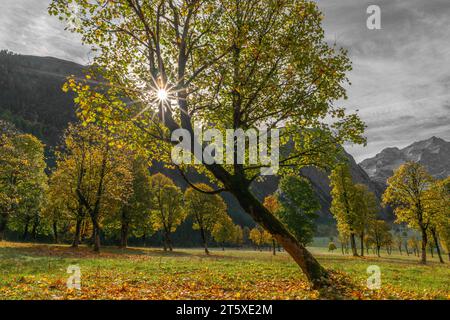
x=436 y=243
x=315 y=273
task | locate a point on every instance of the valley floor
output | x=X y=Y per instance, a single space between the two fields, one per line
x=33 y=271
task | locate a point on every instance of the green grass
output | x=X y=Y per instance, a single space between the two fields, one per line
x=39 y=272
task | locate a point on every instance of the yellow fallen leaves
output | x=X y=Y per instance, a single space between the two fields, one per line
x=149 y=275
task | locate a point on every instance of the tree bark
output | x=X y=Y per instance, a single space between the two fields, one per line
x=436 y=243
x=362 y=244
x=205 y=240
x=424 y=246
x=76 y=238
x=55 y=232
x=3 y=222
x=35 y=226
x=167 y=241
x=353 y=244
x=315 y=273
x=273 y=247
x=124 y=230
x=96 y=236
x=25 y=230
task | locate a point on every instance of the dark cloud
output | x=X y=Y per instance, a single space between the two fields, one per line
x=400 y=81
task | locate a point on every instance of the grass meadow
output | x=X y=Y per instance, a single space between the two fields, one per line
x=35 y=271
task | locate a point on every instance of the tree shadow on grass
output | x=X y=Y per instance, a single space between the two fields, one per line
x=83 y=251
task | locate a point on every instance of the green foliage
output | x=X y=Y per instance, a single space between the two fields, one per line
x=332 y=246
x=379 y=233
x=408 y=193
x=23 y=181
x=299 y=206
x=231 y=70
x=167 y=206
x=224 y=231
x=260 y=237
x=205 y=209
x=94 y=177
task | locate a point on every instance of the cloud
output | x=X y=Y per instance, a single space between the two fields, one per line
x=400 y=78
x=26 y=28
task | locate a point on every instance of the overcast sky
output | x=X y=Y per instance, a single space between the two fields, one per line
x=401 y=76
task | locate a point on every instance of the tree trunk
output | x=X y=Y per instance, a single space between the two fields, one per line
x=96 y=237
x=124 y=230
x=406 y=248
x=353 y=244
x=378 y=251
x=167 y=241
x=342 y=248
x=274 y=247
x=424 y=246
x=25 y=230
x=35 y=226
x=3 y=222
x=362 y=244
x=55 y=231
x=124 y=236
x=205 y=240
x=436 y=243
x=76 y=238
x=315 y=273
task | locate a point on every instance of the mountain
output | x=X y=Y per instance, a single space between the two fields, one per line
x=31 y=98
x=433 y=153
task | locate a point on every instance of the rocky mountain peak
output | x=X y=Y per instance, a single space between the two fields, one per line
x=433 y=153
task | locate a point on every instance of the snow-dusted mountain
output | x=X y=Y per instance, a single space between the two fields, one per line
x=433 y=153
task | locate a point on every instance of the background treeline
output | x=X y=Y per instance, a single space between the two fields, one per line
x=100 y=191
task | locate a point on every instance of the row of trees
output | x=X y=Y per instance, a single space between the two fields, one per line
x=22 y=180
x=423 y=203
x=99 y=186
x=419 y=201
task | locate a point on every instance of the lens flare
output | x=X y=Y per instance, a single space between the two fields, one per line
x=162 y=94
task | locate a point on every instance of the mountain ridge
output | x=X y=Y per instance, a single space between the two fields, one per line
x=433 y=153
